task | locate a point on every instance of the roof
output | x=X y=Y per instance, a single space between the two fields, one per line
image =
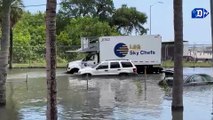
x=117 y=60
x=78 y=50
x=171 y=42
x=82 y=50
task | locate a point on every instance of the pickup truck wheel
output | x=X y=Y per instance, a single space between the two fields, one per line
x=123 y=74
x=87 y=74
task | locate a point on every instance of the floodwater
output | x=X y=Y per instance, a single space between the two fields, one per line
x=107 y=98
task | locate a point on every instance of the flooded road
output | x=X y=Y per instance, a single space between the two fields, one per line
x=130 y=98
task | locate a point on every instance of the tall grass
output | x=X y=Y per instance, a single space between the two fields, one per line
x=170 y=64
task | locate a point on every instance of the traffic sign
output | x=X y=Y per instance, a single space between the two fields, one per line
x=199 y=13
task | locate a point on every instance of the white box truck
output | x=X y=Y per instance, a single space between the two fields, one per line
x=144 y=51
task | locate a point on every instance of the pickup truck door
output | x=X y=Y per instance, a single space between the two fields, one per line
x=102 y=69
x=114 y=68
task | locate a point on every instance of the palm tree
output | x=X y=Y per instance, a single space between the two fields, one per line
x=129 y=19
x=177 y=93
x=16 y=13
x=4 y=50
x=51 y=59
x=104 y=10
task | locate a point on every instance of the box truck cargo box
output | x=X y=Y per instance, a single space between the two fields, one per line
x=144 y=51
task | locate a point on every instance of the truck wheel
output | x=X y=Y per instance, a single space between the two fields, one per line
x=157 y=70
x=74 y=70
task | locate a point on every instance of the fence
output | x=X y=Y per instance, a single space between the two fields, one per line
x=198 y=52
x=32 y=55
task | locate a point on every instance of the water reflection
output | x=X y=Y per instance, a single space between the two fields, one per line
x=10 y=112
x=177 y=115
x=113 y=98
x=137 y=97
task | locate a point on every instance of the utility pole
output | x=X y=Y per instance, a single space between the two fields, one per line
x=150 y=19
x=150 y=15
x=211 y=12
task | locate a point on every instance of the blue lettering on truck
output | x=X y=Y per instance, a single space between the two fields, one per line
x=143 y=52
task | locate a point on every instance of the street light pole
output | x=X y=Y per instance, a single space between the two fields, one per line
x=150 y=19
x=150 y=15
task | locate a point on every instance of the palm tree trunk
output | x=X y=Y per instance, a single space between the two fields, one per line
x=11 y=48
x=177 y=94
x=51 y=59
x=4 y=52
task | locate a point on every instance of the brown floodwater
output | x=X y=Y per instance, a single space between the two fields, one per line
x=110 y=98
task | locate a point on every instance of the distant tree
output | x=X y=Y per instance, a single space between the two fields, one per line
x=77 y=8
x=61 y=22
x=102 y=9
x=82 y=27
x=29 y=35
x=129 y=20
x=51 y=59
x=72 y=9
x=177 y=93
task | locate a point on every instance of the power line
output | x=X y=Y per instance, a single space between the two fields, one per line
x=38 y=5
x=35 y=5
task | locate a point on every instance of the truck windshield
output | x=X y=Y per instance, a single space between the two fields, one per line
x=89 y=57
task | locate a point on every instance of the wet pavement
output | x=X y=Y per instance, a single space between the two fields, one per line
x=130 y=98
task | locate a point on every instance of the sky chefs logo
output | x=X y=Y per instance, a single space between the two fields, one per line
x=121 y=50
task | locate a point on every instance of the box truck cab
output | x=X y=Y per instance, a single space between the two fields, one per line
x=91 y=59
x=144 y=51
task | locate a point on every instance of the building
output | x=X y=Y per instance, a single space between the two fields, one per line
x=167 y=51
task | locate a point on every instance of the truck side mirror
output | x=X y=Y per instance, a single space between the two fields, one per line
x=85 y=64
